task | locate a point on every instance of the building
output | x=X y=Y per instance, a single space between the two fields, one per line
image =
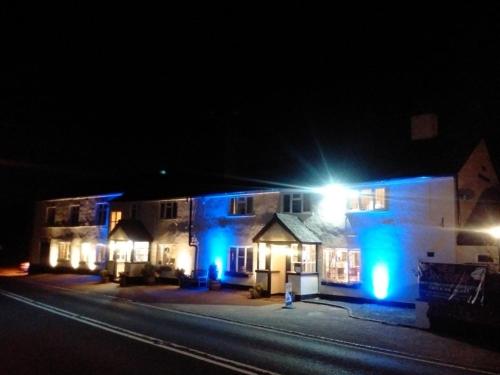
x=431 y=200
x=71 y=233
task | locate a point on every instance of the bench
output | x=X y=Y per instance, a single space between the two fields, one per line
x=200 y=277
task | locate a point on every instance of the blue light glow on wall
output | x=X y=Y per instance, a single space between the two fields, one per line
x=380 y=277
x=382 y=257
x=218 y=263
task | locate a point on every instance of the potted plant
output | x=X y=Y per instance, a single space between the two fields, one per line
x=104 y=273
x=149 y=274
x=213 y=281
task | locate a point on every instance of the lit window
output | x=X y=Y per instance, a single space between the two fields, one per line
x=64 y=250
x=241 y=259
x=101 y=214
x=51 y=216
x=74 y=215
x=168 y=210
x=304 y=261
x=100 y=253
x=341 y=265
x=367 y=200
x=380 y=202
x=241 y=206
x=116 y=216
x=297 y=202
x=140 y=252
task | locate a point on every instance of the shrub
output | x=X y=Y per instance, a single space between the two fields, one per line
x=213 y=272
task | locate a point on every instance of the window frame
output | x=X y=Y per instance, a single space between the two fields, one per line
x=101 y=216
x=237 y=269
x=290 y=200
x=168 y=210
x=327 y=268
x=355 y=204
x=74 y=219
x=247 y=202
x=50 y=216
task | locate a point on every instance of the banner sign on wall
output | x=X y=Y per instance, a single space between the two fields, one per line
x=462 y=283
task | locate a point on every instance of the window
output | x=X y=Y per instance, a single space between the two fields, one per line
x=168 y=210
x=297 y=202
x=74 y=215
x=342 y=265
x=484 y=258
x=305 y=260
x=241 y=206
x=241 y=259
x=64 y=250
x=140 y=252
x=367 y=200
x=116 y=216
x=101 y=215
x=51 y=216
x=100 y=253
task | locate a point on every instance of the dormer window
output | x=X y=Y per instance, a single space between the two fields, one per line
x=297 y=202
x=241 y=206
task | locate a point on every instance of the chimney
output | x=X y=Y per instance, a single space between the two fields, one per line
x=424 y=126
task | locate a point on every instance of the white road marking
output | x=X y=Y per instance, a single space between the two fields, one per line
x=180 y=349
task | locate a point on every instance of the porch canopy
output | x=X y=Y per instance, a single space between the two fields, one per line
x=286 y=246
x=286 y=228
x=129 y=241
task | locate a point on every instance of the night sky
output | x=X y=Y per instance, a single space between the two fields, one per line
x=96 y=97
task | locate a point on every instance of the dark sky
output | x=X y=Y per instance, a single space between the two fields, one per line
x=94 y=92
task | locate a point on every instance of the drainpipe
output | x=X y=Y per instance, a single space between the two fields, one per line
x=190 y=226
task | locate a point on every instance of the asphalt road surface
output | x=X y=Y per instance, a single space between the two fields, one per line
x=55 y=331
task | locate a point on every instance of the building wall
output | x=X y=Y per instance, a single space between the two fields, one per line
x=84 y=236
x=167 y=233
x=216 y=230
x=420 y=219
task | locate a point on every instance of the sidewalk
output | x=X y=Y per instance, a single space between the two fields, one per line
x=392 y=315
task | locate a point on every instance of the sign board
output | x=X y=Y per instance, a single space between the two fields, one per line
x=288 y=295
x=463 y=283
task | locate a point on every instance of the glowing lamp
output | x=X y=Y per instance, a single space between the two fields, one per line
x=218 y=263
x=380 y=276
x=494 y=232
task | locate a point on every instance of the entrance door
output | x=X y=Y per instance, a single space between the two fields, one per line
x=278 y=263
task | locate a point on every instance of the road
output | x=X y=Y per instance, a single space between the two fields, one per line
x=56 y=331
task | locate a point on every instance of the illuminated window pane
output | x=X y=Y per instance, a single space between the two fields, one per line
x=64 y=250
x=366 y=200
x=241 y=206
x=116 y=216
x=341 y=265
x=380 y=199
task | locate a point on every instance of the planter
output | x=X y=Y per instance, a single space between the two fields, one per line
x=214 y=285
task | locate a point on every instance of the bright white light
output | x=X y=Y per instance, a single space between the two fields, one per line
x=54 y=254
x=184 y=261
x=494 y=232
x=75 y=256
x=218 y=263
x=380 y=277
x=332 y=207
x=89 y=255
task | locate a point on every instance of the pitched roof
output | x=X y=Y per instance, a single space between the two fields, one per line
x=293 y=225
x=133 y=229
